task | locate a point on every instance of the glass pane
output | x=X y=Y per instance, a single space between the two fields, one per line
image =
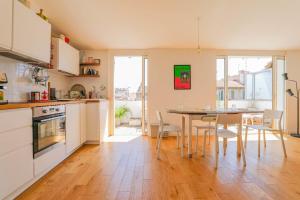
x=249 y=87
x=250 y=82
x=280 y=87
x=51 y=132
x=263 y=85
x=220 y=94
x=128 y=84
x=280 y=84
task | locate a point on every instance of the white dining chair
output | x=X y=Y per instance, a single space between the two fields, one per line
x=225 y=120
x=272 y=123
x=165 y=128
x=207 y=128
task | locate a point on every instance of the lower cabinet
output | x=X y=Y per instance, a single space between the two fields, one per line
x=16 y=169
x=82 y=123
x=97 y=121
x=73 y=136
x=49 y=159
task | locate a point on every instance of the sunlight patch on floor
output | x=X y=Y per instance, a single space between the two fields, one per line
x=254 y=137
x=120 y=138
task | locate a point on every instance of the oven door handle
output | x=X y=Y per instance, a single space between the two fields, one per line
x=53 y=118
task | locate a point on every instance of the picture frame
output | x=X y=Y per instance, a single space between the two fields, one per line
x=182 y=77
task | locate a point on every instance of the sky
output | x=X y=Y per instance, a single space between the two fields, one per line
x=237 y=63
x=128 y=72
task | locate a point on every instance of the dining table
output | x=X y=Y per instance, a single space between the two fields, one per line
x=191 y=114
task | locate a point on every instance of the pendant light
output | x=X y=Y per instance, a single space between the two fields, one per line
x=198 y=34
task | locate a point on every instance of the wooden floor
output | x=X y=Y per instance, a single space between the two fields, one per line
x=130 y=170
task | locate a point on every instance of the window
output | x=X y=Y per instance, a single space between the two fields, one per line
x=220 y=98
x=244 y=81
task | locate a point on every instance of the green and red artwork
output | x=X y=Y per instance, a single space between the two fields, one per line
x=182 y=77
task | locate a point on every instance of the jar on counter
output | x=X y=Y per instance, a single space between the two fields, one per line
x=3 y=99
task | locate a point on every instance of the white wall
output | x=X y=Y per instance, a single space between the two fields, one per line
x=103 y=71
x=161 y=93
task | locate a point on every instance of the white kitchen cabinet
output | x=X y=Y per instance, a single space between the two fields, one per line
x=16 y=156
x=49 y=159
x=97 y=121
x=16 y=169
x=15 y=118
x=72 y=127
x=65 y=58
x=82 y=123
x=6 y=8
x=31 y=34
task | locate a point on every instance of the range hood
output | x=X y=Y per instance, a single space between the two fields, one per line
x=22 y=58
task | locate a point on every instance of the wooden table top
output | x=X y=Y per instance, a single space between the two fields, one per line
x=200 y=111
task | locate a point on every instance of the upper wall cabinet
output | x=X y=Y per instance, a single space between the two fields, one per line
x=31 y=34
x=65 y=58
x=6 y=8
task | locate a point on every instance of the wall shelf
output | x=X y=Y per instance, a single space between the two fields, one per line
x=88 y=76
x=89 y=64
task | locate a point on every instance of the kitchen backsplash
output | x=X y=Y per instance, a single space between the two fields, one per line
x=20 y=83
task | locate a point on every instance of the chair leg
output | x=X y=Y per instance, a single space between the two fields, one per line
x=246 y=137
x=209 y=138
x=243 y=150
x=159 y=141
x=258 y=142
x=196 y=146
x=177 y=139
x=157 y=138
x=216 y=150
x=264 y=135
x=204 y=143
x=224 y=145
x=209 y=132
x=283 y=145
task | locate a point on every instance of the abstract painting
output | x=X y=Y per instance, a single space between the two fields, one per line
x=182 y=77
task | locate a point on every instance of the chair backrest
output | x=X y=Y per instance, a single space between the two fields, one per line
x=229 y=119
x=271 y=116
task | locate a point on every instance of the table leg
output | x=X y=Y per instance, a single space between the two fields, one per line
x=239 y=138
x=190 y=153
x=182 y=135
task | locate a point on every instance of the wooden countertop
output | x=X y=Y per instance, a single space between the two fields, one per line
x=16 y=105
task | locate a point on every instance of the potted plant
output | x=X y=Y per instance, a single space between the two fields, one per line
x=120 y=113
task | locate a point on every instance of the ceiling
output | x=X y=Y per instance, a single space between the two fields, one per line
x=142 y=24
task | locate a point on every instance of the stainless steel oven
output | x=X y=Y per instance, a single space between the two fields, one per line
x=49 y=128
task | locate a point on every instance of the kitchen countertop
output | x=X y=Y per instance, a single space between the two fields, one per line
x=16 y=105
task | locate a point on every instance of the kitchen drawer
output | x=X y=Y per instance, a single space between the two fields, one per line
x=49 y=159
x=16 y=169
x=13 y=119
x=14 y=139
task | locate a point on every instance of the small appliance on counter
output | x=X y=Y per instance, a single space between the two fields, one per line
x=53 y=94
